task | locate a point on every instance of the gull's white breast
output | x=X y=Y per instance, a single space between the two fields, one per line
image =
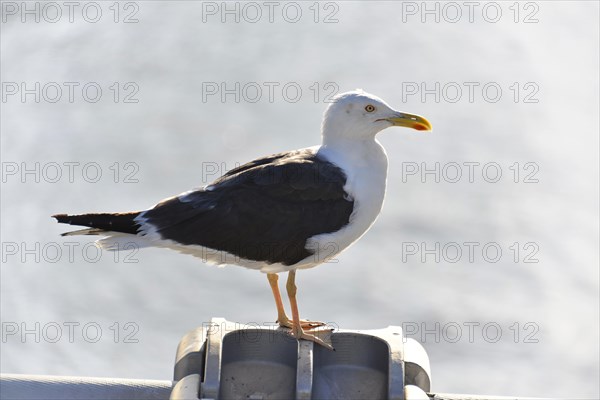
x=365 y=166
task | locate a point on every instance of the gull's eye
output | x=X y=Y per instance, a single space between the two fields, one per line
x=370 y=108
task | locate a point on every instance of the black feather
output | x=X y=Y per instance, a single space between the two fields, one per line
x=115 y=222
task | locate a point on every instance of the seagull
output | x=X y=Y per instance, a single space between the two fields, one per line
x=280 y=213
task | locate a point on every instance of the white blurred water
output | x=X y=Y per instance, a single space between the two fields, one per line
x=172 y=135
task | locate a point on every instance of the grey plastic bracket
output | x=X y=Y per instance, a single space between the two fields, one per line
x=228 y=360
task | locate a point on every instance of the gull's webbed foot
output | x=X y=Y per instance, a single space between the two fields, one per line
x=285 y=322
x=320 y=337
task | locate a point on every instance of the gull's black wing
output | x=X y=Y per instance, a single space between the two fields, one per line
x=263 y=211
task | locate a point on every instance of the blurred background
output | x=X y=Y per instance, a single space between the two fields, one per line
x=114 y=106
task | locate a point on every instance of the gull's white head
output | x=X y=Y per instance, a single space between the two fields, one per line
x=358 y=115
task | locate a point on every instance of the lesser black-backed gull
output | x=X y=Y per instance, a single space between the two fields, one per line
x=280 y=213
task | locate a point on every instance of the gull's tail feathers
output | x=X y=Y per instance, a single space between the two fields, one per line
x=120 y=229
x=87 y=231
x=101 y=222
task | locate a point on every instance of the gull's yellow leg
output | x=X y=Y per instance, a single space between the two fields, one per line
x=273 y=281
x=282 y=318
x=297 y=330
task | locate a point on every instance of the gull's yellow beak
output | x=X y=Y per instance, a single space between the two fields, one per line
x=410 y=121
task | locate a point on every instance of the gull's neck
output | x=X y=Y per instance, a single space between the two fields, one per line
x=355 y=152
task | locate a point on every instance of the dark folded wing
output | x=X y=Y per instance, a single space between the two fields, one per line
x=262 y=211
